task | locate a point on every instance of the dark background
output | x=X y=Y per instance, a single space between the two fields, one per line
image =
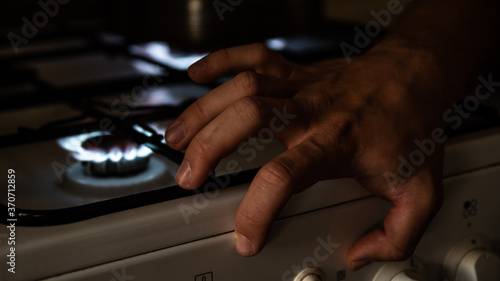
x=190 y=24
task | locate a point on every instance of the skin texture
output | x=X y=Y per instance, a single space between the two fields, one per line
x=352 y=120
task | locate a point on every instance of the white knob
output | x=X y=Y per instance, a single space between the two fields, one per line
x=479 y=265
x=412 y=269
x=472 y=260
x=310 y=274
x=312 y=277
x=408 y=275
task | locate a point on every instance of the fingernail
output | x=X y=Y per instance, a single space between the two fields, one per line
x=184 y=174
x=175 y=133
x=198 y=66
x=359 y=264
x=243 y=245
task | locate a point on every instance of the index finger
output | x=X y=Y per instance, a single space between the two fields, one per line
x=254 y=57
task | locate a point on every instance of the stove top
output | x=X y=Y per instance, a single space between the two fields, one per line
x=69 y=92
x=65 y=93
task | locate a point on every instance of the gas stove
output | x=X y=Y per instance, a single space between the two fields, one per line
x=92 y=194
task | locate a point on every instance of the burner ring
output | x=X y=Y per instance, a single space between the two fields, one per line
x=159 y=174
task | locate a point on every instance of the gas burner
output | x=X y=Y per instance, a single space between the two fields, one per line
x=123 y=156
x=106 y=155
x=111 y=165
x=159 y=173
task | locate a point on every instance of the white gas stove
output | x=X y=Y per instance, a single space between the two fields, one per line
x=86 y=212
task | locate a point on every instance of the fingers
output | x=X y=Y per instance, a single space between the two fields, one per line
x=402 y=228
x=205 y=109
x=254 y=57
x=271 y=188
x=223 y=135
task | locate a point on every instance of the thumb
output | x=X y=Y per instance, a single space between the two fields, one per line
x=404 y=225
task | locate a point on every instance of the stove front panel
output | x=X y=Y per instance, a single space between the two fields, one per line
x=320 y=239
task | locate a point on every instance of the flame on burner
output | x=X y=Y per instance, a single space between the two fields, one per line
x=74 y=145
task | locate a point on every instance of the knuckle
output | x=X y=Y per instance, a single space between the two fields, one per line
x=249 y=109
x=247 y=83
x=225 y=54
x=276 y=175
x=316 y=148
x=197 y=111
x=200 y=146
x=337 y=133
x=339 y=140
x=320 y=101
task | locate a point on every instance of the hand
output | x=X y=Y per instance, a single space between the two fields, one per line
x=353 y=120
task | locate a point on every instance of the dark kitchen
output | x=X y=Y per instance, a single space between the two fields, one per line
x=222 y=140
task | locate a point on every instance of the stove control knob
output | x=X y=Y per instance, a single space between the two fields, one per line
x=312 y=277
x=479 y=265
x=471 y=260
x=310 y=274
x=408 y=275
x=409 y=270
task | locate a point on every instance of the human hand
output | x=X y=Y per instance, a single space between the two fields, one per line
x=353 y=120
